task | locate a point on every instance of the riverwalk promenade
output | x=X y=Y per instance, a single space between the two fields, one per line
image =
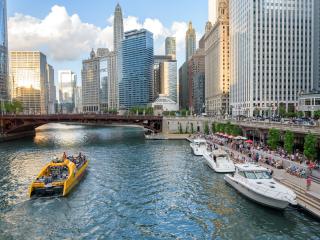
x=307 y=199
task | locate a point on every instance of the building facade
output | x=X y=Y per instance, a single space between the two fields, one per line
x=196 y=68
x=217 y=60
x=199 y=93
x=118 y=34
x=29 y=80
x=156 y=85
x=271 y=54
x=171 y=47
x=316 y=41
x=191 y=41
x=52 y=99
x=91 y=83
x=212 y=11
x=184 y=86
x=67 y=83
x=78 y=100
x=3 y=52
x=135 y=87
x=169 y=82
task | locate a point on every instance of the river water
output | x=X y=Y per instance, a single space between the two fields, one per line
x=134 y=189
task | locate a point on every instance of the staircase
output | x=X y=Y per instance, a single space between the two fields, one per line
x=307 y=200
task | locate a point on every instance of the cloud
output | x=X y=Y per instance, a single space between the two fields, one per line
x=65 y=37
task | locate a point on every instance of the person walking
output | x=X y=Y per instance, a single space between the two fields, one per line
x=309 y=182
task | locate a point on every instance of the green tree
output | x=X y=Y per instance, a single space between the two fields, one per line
x=183 y=112
x=206 y=128
x=282 y=110
x=317 y=114
x=300 y=114
x=310 y=146
x=236 y=131
x=213 y=128
x=273 y=138
x=289 y=142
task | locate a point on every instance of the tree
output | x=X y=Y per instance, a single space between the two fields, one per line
x=300 y=114
x=282 y=110
x=273 y=138
x=236 y=131
x=310 y=145
x=317 y=114
x=289 y=142
x=213 y=128
x=206 y=128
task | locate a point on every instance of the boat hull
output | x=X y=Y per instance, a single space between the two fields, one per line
x=198 y=151
x=69 y=185
x=256 y=197
x=214 y=167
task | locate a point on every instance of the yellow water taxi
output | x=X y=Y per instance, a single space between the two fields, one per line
x=59 y=176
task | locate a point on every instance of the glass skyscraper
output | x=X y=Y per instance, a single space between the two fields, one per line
x=135 y=87
x=3 y=51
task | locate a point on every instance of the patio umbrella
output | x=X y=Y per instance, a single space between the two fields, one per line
x=249 y=141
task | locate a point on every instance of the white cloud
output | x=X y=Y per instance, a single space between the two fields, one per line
x=65 y=37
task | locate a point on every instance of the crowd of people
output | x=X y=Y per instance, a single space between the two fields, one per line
x=248 y=151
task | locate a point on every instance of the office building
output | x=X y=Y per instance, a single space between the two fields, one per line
x=91 y=83
x=168 y=80
x=135 y=87
x=217 y=60
x=191 y=43
x=67 y=83
x=212 y=11
x=29 y=76
x=196 y=69
x=157 y=61
x=51 y=90
x=78 y=100
x=117 y=64
x=3 y=52
x=316 y=42
x=271 y=45
x=184 y=86
x=170 y=47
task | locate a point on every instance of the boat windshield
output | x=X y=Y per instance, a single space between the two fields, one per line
x=222 y=158
x=257 y=175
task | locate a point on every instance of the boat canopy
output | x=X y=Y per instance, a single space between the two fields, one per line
x=250 y=167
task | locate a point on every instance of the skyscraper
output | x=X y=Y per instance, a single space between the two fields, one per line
x=316 y=67
x=67 y=83
x=271 y=54
x=171 y=47
x=168 y=82
x=117 y=28
x=3 y=51
x=217 y=58
x=51 y=90
x=212 y=11
x=117 y=66
x=91 y=83
x=191 y=44
x=29 y=76
x=135 y=89
x=158 y=60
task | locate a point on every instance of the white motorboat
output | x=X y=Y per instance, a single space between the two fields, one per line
x=256 y=183
x=219 y=161
x=199 y=146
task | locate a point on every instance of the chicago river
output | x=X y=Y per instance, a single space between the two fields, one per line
x=134 y=189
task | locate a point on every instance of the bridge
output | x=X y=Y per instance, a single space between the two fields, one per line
x=15 y=124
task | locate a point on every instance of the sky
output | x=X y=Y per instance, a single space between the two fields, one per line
x=66 y=31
